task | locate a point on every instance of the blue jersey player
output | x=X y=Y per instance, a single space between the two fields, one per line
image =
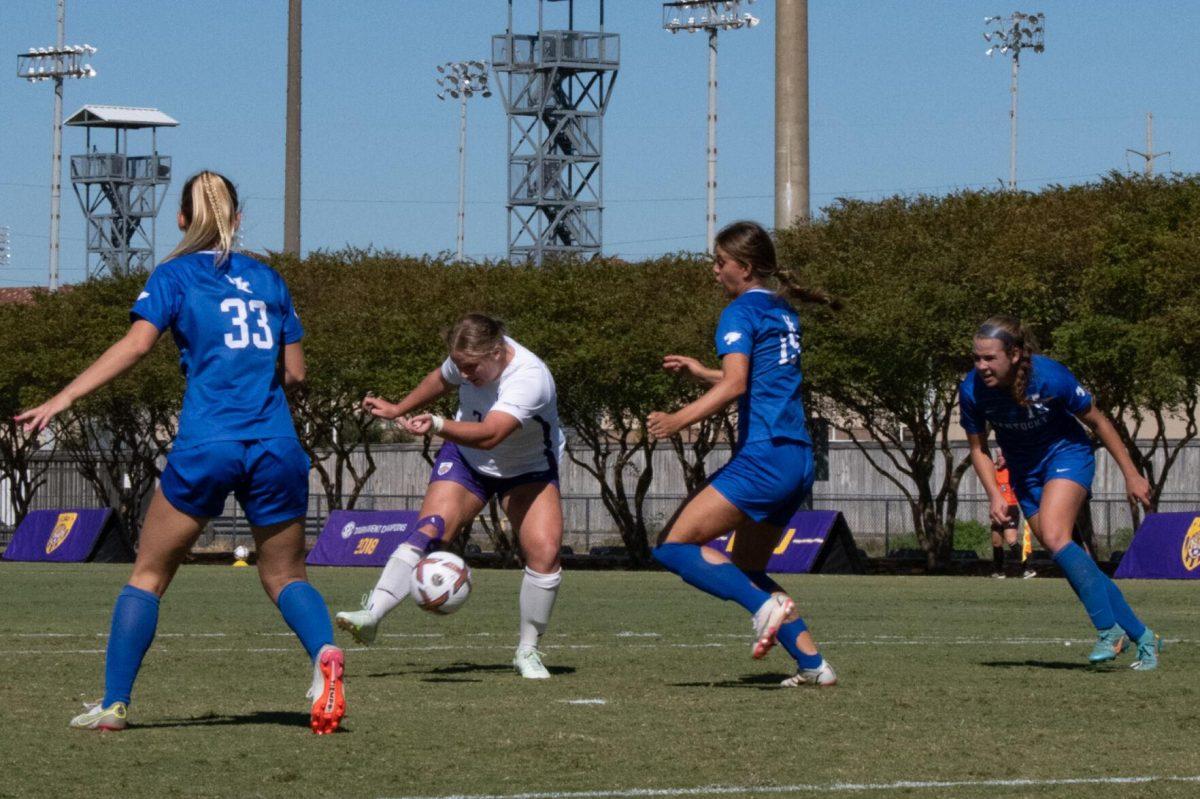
x=1035 y=405
x=771 y=472
x=233 y=320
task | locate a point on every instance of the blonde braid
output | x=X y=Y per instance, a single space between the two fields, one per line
x=210 y=193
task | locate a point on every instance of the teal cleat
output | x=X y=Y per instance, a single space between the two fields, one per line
x=97 y=717
x=1113 y=642
x=1148 y=647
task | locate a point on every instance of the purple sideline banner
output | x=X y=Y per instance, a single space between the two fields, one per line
x=361 y=537
x=802 y=540
x=1165 y=547
x=58 y=536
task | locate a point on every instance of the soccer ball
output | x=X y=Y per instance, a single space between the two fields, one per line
x=441 y=583
x=240 y=552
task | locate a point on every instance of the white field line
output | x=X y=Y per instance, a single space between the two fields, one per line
x=833 y=787
x=584 y=701
x=625 y=643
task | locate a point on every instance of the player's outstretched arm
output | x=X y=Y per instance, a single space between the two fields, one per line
x=682 y=364
x=735 y=376
x=115 y=361
x=431 y=387
x=1137 y=488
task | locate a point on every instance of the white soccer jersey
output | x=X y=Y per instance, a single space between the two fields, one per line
x=525 y=391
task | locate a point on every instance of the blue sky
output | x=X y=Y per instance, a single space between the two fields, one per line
x=903 y=101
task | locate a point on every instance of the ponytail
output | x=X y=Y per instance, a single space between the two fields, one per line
x=209 y=205
x=1016 y=340
x=750 y=244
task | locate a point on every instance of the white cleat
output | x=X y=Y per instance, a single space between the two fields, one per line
x=767 y=621
x=361 y=624
x=822 y=677
x=528 y=663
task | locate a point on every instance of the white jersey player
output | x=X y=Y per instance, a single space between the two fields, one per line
x=503 y=442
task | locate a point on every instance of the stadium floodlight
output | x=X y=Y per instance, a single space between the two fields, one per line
x=5 y=246
x=56 y=63
x=714 y=16
x=463 y=80
x=1010 y=36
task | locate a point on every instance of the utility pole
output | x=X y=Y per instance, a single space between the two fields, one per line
x=56 y=63
x=792 y=201
x=1017 y=32
x=1149 y=155
x=711 y=16
x=462 y=80
x=291 y=169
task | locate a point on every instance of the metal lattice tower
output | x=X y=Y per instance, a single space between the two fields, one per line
x=556 y=85
x=118 y=192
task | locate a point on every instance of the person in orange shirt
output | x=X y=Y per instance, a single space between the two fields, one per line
x=1006 y=534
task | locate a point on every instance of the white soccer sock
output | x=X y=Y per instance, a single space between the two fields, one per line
x=538 y=592
x=394 y=583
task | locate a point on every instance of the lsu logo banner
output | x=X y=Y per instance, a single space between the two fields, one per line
x=1165 y=546
x=1191 y=546
x=62 y=529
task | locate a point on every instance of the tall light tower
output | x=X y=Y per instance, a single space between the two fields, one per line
x=556 y=85
x=711 y=16
x=56 y=63
x=462 y=80
x=1012 y=34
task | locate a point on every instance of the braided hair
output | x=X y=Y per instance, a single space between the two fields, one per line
x=750 y=244
x=209 y=205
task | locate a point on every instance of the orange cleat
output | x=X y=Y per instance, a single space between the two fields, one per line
x=329 y=701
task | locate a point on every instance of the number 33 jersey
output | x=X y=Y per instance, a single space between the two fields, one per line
x=230 y=323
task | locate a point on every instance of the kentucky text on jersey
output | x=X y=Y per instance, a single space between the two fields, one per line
x=1028 y=435
x=230 y=323
x=764 y=327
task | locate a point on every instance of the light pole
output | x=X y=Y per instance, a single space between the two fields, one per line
x=462 y=80
x=1012 y=34
x=5 y=246
x=711 y=16
x=56 y=63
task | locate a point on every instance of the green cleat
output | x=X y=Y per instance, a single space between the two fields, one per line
x=1148 y=647
x=1113 y=642
x=528 y=663
x=98 y=717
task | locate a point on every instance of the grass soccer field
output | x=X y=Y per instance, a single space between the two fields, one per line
x=962 y=687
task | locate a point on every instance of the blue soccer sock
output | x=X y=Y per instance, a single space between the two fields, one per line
x=1124 y=614
x=722 y=580
x=1089 y=582
x=764 y=581
x=134 y=620
x=787 y=639
x=304 y=610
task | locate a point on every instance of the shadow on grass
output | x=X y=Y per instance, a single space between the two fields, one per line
x=1039 y=664
x=446 y=673
x=759 y=682
x=283 y=718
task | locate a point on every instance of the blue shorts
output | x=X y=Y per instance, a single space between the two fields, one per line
x=1077 y=463
x=450 y=466
x=269 y=477
x=767 y=480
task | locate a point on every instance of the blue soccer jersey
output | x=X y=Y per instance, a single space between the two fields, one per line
x=764 y=327
x=230 y=323
x=1028 y=435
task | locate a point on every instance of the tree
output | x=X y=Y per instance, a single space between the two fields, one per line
x=1132 y=335
x=120 y=434
x=24 y=457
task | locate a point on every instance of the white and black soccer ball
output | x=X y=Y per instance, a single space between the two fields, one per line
x=441 y=583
